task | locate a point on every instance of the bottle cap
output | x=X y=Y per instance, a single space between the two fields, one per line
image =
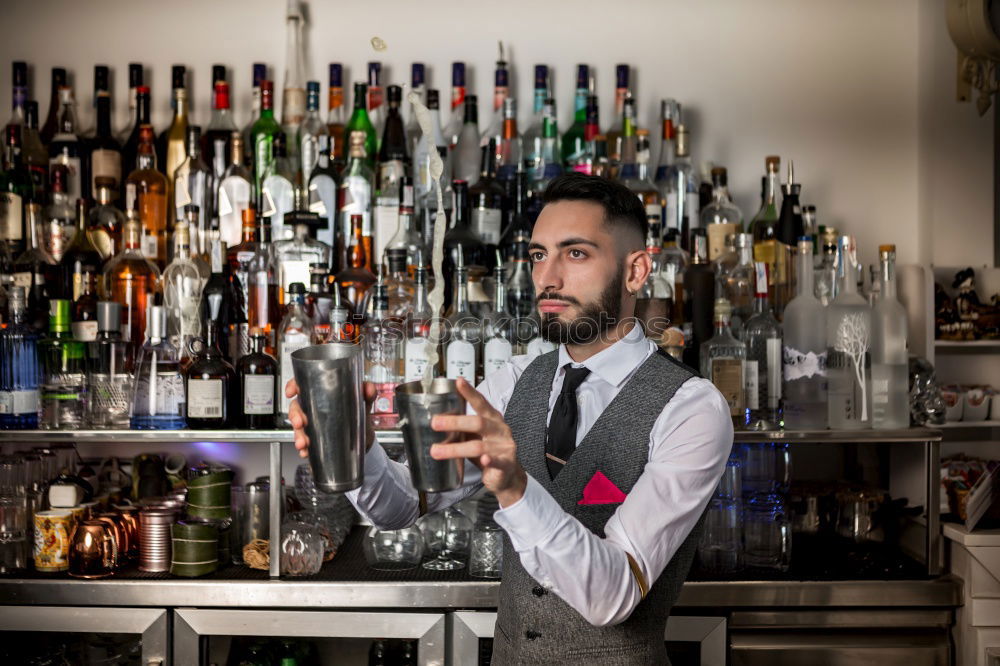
x=134 y=74
x=259 y=73
x=395 y=94
x=541 y=77
x=744 y=240
x=177 y=76
x=109 y=316
x=218 y=74
x=297 y=288
x=157 y=325
x=417 y=74
x=621 y=76
x=582 y=76
x=458 y=74
x=374 y=72
x=722 y=308
x=336 y=75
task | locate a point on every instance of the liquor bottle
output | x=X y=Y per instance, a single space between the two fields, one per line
x=673 y=264
x=33 y=154
x=220 y=302
x=130 y=147
x=239 y=258
x=422 y=180
x=699 y=291
x=131 y=279
x=501 y=91
x=109 y=378
x=262 y=140
x=548 y=164
x=182 y=288
x=457 y=118
x=498 y=333
x=81 y=265
x=399 y=286
x=521 y=304
x=532 y=140
x=586 y=161
x=614 y=134
x=105 y=151
x=511 y=148
x=416 y=347
x=574 y=141
x=257 y=373
x=381 y=337
x=460 y=239
x=279 y=190
x=407 y=238
x=235 y=191
x=19 y=368
x=321 y=188
x=417 y=72
x=393 y=164
x=764 y=225
x=825 y=275
x=655 y=300
x=723 y=361
x=37 y=272
x=210 y=384
x=262 y=290
x=15 y=190
x=194 y=184
x=354 y=195
x=738 y=283
x=629 y=169
x=360 y=122
x=146 y=194
x=336 y=120
x=105 y=221
x=486 y=199
x=291 y=258
x=762 y=336
x=59 y=215
x=216 y=140
x=805 y=352
x=890 y=362
x=64 y=384
x=65 y=147
x=293 y=97
x=848 y=335
x=319 y=300
x=790 y=227
x=375 y=102
x=356 y=278
x=721 y=216
x=313 y=137
x=294 y=333
x=174 y=138
x=342 y=326
x=518 y=230
x=19 y=95
x=681 y=193
x=51 y=126
x=135 y=72
x=259 y=75
x=159 y=398
x=466 y=161
x=463 y=339
x=670 y=116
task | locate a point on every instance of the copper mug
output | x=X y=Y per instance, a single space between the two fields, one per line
x=92 y=550
x=130 y=516
x=120 y=534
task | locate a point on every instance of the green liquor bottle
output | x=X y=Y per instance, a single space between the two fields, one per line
x=262 y=139
x=360 y=122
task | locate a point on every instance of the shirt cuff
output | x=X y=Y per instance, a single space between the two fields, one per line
x=531 y=519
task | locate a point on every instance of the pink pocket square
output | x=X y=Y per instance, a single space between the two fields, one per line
x=600 y=490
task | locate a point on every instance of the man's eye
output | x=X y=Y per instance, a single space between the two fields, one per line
x=536 y=256
x=577 y=254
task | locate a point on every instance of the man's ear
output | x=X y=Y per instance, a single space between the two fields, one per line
x=638 y=266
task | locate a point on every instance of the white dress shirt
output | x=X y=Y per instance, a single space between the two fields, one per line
x=688 y=447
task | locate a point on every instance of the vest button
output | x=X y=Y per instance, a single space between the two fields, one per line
x=532 y=635
x=538 y=590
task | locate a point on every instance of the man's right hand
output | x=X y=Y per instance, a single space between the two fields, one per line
x=298 y=418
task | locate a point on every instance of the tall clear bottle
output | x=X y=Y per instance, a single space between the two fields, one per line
x=64 y=367
x=532 y=140
x=456 y=119
x=313 y=137
x=109 y=372
x=278 y=194
x=423 y=182
x=293 y=98
x=259 y=76
x=723 y=361
x=736 y=283
x=670 y=116
x=848 y=336
x=463 y=342
x=393 y=165
x=680 y=194
x=417 y=88
x=295 y=332
x=498 y=334
x=215 y=141
x=159 y=401
x=182 y=287
x=235 y=193
x=805 y=352
x=417 y=325
x=381 y=337
x=720 y=217
x=614 y=133
x=65 y=147
x=194 y=183
x=465 y=165
x=762 y=336
x=890 y=361
x=20 y=374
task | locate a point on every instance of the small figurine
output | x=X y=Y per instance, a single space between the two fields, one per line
x=965 y=317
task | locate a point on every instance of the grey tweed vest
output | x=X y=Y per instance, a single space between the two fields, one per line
x=535 y=626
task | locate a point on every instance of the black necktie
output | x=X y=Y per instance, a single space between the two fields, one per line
x=561 y=440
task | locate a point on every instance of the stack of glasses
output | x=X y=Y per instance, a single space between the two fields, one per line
x=339 y=512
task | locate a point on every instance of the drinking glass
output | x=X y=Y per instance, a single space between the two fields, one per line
x=394 y=550
x=721 y=550
x=446 y=536
x=301 y=549
x=13 y=533
x=12 y=475
x=767 y=533
x=486 y=556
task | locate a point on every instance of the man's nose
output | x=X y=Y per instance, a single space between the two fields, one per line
x=547 y=275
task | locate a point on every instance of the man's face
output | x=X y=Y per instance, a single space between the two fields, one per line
x=577 y=270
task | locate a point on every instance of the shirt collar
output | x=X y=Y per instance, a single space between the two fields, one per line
x=616 y=363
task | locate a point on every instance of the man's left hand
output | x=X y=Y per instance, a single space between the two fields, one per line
x=490 y=445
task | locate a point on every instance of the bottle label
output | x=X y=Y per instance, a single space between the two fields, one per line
x=802 y=365
x=727 y=375
x=717 y=238
x=773 y=372
x=23 y=280
x=205 y=398
x=19 y=402
x=496 y=354
x=58 y=236
x=486 y=224
x=356 y=193
x=671 y=212
x=105 y=163
x=290 y=342
x=84 y=331
x=72 y=165
x=103 y=242
x=386 y=224
x=10 y=217
x=539 y=346
x=415 y=358
x=293 y=271
x=258 y=394
x=234 y=198
x=461 y=360
x=750 y=391
x=149 y=246
x=691 y=208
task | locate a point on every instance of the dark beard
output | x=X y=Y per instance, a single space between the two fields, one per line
x=595 y=320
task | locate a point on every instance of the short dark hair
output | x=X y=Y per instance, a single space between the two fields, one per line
x=622 y=207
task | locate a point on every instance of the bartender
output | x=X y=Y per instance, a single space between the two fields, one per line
x=603 y=454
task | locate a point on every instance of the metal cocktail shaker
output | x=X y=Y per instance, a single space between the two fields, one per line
x=416 y=409
x=330 y=392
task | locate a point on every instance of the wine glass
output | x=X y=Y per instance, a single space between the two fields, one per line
x=447 y=535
